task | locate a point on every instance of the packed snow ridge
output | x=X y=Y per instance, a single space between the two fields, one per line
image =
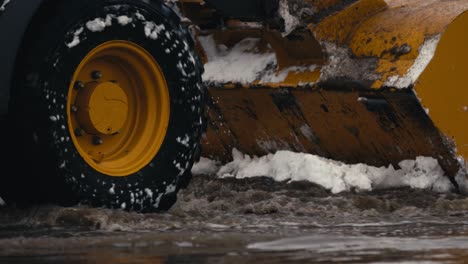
x=422 y=173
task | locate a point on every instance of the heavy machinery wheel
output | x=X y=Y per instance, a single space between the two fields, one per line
x=108 y=102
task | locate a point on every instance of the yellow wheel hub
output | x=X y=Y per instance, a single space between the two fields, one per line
x=104 y=108
x=118 y=108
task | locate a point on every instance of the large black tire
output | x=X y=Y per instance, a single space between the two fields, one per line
x=43 y=151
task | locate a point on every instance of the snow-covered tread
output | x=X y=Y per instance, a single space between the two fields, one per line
x=53 y=50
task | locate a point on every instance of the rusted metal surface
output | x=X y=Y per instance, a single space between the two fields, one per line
x=352 y=125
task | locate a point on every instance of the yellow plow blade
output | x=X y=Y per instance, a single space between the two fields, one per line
x=367 y=81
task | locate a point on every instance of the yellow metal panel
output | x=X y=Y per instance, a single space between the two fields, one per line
x=397 y=34
x=339 y=28
x=443 y=87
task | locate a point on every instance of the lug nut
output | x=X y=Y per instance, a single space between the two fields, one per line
x=96 y=75
x=74 y=109
x=79 y=85
x=97 y=141
x=79 y=132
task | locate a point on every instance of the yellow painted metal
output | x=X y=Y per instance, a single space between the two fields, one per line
x=340 y=27
x=104 y=108
x=392 y=32
x=443 y=87
x=118 y=122
x=403 y=23
x=386 y=46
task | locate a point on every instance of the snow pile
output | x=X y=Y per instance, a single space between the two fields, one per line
x=422 y=173
x=239 y=64
x=243 y=63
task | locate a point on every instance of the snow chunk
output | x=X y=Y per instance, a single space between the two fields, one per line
x=3 y=6
x=76 y=38
x=173 y=5
x=422 y=173
x=184 y=244
x=426 y=53
x=290 y=22
x=184 y=141
x=170 y=189
x=140 y=16
x=99 y=24
x=205 y=166
x=2 y=202
x=149 y=192
x=124 y=20
x=152 y=30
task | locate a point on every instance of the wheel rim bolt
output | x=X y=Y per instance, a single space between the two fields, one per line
x=97 y=141
x=96 y=75
x=79 y=85
x=79 y=132
x=74 y=109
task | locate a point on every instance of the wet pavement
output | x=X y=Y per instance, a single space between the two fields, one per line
x=247 y=221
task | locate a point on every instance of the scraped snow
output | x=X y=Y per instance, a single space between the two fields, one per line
x=243 y=63
x=422 y=173
x=426 y=54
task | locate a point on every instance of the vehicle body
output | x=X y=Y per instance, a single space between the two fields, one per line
x=108 y=95
x=14 y=20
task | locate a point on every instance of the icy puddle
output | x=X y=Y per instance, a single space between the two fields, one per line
x=250 y=220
